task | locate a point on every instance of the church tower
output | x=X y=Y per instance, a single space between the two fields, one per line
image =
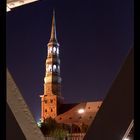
x=52 y=99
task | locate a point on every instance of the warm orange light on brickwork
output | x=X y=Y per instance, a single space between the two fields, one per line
x=81 y=111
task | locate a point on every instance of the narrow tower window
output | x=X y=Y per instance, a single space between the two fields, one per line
x=54 y=68
x=50 y=68
x=54 y=50
x=57 y=50
x=50 y=50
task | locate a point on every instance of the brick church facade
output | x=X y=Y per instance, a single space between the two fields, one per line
x=52 y=102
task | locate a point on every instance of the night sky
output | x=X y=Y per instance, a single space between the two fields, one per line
x=95 y=37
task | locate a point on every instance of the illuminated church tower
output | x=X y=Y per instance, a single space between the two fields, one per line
x=52 y=99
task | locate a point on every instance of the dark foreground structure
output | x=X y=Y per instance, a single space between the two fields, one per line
x=116 y=113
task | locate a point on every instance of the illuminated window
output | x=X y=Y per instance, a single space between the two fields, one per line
x=50 y=68
x=54 y=50
x=57 y=50
x=54 y=68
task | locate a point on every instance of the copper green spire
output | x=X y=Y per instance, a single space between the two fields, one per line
x=53 y=37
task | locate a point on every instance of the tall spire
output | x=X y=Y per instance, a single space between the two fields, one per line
x=51 y=99
x=53 y=37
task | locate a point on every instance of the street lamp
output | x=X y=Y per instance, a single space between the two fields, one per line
x=81 y=111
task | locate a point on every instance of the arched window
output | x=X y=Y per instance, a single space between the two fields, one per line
x=45 y=101
x=54 y=50
x=57 y=51
x=54 y=68
x=50 y=50
x=50 y=68
x=51 y=100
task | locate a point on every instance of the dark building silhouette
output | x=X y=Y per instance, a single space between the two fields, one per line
x=117 y=110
